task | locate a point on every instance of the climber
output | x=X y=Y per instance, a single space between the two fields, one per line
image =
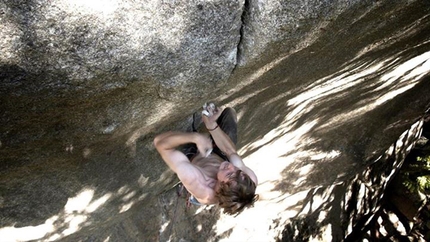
x=208 y=165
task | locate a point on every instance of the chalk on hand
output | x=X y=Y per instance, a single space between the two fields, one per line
x=206 y=113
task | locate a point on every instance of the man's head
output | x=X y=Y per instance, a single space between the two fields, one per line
x=235 y=190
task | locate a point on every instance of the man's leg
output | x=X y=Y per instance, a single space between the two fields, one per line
x=227 y=121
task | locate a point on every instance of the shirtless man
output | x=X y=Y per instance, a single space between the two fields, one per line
x=218 y=177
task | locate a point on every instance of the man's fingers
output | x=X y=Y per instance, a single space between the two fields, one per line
x=211 y=112
x=208 y=152
x=209 y=109
x=217 y=113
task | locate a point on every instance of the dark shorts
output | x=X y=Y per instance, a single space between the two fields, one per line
x=227 y=121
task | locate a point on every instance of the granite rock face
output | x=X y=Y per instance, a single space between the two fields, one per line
x=95 y=46
x=82 y=70
x=274 y=27
x=322 y=89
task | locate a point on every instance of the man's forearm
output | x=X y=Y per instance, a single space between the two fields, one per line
x=223 y=141
x=171 y=140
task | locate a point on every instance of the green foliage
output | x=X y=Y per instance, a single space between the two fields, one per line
x=416 y=178
x=425 y=160
x=423 y=182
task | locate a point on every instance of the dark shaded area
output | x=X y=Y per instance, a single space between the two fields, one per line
x=392 y=219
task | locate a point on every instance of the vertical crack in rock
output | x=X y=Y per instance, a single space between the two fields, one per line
x=241 y=34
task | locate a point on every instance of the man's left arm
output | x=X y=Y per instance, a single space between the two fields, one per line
x=237 y=161
x=224 y=143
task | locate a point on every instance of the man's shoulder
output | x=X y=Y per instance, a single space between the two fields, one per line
x=189 y=172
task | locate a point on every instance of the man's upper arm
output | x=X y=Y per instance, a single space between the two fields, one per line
x=186 y=172
x=237 y=161
x=179 y=163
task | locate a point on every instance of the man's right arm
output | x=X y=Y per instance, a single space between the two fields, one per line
x=166 y=144
x=222 y=140
x=189 y=175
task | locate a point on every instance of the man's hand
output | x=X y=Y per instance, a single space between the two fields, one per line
x=211 y=115
x=221 y=139
x=204 y=144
